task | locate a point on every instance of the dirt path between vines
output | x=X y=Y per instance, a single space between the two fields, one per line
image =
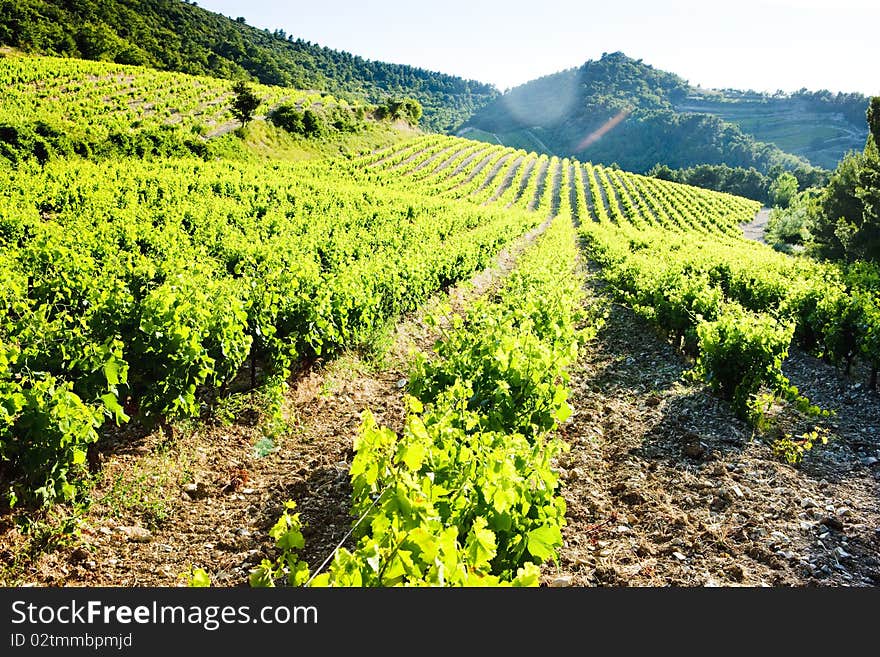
x=208 y=497
x=493 y=173
x=754 y=230
x=528 y=172
x=666 y=487
x=506 y=181
x=543 y=174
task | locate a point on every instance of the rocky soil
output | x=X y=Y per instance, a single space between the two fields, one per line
x=666 y=487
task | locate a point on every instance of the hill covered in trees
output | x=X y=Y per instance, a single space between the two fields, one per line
x=176 y=36
x=620 y=110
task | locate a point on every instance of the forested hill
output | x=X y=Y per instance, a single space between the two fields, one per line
x=617 y=109
x=177 y=36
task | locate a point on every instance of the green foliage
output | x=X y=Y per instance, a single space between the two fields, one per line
x=198 y=578
x=792 y=450
x=749 y=183
x=319 y=121
x=108 y=110
x=471 y=473
x=621 y=110
x=466 y=494
x=819 y=126
x=406 y=109
x=175 y=36
x=150 y=288
x=45 y=433
x=287 y=533
x=734 y=305
x=847 y=218
x=839 y=210
x=874 y=119
x=739 y=352
x=783 y=189
x=793 y=224
x=245 y=102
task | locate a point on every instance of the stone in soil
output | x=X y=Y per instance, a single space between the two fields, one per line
x=137 y=534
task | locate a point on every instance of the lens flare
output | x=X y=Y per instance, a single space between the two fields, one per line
x=609 y=125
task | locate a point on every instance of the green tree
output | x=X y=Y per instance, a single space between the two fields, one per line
x=839 y=209
x=313 y=124
x=289 y=118
x=874 y=119
x=868 y=190
x=411 y=110
x=847 y=221
x=245 y=102
x=783 y=189
x=407 y=109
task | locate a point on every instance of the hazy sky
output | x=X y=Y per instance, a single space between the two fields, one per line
x=757 y=44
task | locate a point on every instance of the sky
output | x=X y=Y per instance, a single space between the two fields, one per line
x=765 y=45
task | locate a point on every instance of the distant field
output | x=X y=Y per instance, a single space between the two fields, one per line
x=822 y=138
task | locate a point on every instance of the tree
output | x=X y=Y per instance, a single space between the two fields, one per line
x=783 y=189
x=411 y=110
x=313 y=124
x=874 y=119
x=289 y=118
x=847 y=224
x=839 y=210
x=868 y=191
x=245 y=102
x=408 y=109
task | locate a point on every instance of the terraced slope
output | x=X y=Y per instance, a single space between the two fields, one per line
x=171 y=35
x=795 y=126
x=51 y=106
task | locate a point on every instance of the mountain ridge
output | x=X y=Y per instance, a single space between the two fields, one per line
x=623 y=111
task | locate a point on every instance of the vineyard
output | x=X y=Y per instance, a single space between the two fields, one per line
x=51 y=106
x=214 y=303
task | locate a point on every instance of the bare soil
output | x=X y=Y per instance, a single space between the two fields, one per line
x=476 y=170
x=433 y=159
x=754 y=230
x=524 y=181
x=493 y=172
x=666 y=487
x=506 y=181
x=543 y=173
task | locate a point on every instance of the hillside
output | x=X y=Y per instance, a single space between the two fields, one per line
x=122 y=110
x=205 y=284
x=177 y=36
x=819 y=127
x=620 y=110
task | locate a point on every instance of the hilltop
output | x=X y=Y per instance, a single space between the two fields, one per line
x=621 y=110
x=177 y=36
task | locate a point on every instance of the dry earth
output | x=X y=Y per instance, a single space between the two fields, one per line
x=665 y=486
x=754 y=230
